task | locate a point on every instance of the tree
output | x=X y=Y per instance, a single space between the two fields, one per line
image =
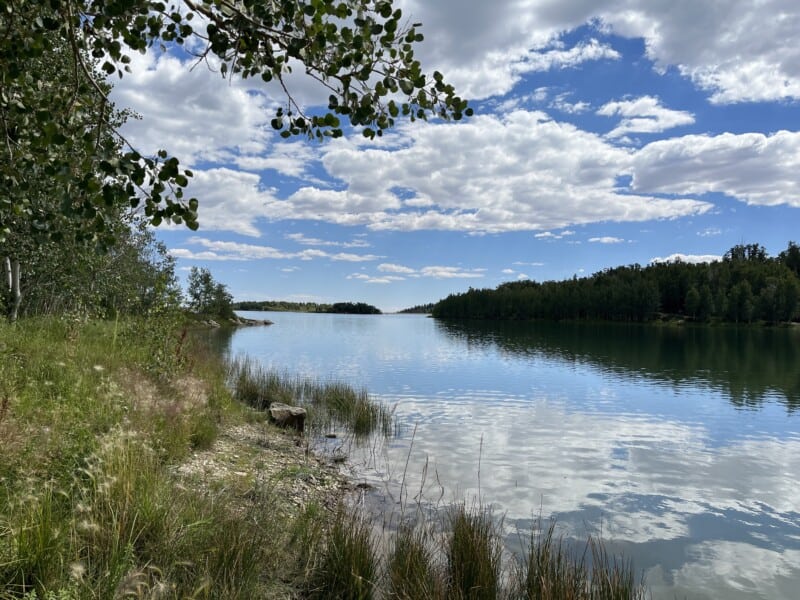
x=359 y=50
x=207 y=296
x=692 y=302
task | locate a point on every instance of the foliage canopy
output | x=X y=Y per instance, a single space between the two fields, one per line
x=52 y=126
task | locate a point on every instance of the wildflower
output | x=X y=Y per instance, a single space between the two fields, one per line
x=77 y=570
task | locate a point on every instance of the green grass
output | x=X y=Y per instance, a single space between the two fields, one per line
x=348 y=568
x=330 y=405
x=92 y=417
x=552 y=570
x=412 y=572
x=474 y=553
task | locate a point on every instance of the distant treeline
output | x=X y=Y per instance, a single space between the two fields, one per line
x=353 y=308
x=745 y=286
x=422 y=309
x=281 y=306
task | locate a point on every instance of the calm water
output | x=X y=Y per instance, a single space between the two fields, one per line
x=682 y=446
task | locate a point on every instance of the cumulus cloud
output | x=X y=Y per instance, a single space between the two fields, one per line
x=753 y=167
x=535 y=174
x=193 y=113
x=643 y=115
x=392 y=268
x=737 y=50
x=687 y=258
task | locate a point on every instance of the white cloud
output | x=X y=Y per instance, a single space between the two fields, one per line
x=452 y=273
x=235 y=251
x=710 y=232
x=193 y=113
x=230 y=200
x=561 y=103
x=607 y=239
x=303 y=239
x=529 y=264
x=392 y=268
x=549 y=235
x=386 y=279
x=535 y=174
x=508 y=271
x=643 y=115
x=752 y=167
x=436 y=272
x=287 y=158
x=687 y=258
x=737 y=50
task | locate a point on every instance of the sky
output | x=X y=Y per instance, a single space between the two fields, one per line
x=606 y=133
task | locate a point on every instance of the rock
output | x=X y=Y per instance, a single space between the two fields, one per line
x=331 y=436
x=212 y=323
x=284 y=415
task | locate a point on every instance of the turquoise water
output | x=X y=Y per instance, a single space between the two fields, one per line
x=681 y=446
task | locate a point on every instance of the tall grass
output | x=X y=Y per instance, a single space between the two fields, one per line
x=90 y=427
x=348 y=568
x=474 y=552
x=554 y=570
x=329 y=404
x=412 y=571
x=465 y=560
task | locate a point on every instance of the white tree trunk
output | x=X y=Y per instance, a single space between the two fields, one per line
x=12 y=280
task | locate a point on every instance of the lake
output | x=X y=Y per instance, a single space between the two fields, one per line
x=680 y=446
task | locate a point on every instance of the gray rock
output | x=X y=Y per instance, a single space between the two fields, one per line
x=284 y=415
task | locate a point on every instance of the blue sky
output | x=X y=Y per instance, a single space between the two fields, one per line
x=606 y=133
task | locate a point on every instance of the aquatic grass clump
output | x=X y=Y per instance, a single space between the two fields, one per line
x=329 y=404
x=474 y=554
x=412 y=571
x=348 y=566
x=551 y=570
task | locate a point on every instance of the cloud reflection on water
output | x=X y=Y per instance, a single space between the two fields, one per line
x=642 y=479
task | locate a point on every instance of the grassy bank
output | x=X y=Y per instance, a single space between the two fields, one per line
x=98 y=422
x=136 y=464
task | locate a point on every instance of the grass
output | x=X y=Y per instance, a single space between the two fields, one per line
x=473 y=551
x=330 y=405
x=348 y=568
x=93 y=416
x=412 y=572
x=465 y=560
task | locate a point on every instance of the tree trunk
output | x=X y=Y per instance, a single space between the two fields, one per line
x=14 y=293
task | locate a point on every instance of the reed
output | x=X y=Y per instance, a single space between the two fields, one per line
x=474 y=554
x=329 y=404
x=412 y=570
x=348 y=568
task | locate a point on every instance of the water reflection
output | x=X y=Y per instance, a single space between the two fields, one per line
x=635 y=430
x=748 y=364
